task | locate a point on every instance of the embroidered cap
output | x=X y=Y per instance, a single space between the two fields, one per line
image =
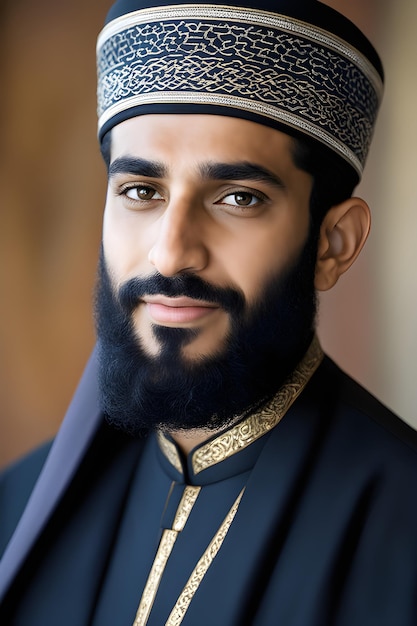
x=295 y=65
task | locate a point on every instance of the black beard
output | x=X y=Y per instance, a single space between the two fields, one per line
x=266 y=341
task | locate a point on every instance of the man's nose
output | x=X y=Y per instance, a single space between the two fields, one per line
x=179 y=242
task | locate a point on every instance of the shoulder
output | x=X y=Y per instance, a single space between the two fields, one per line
x=352 y=398
x=363 y=427
x=16 y=484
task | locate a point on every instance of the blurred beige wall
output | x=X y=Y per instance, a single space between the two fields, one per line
x=52 y=187
x=368 y=323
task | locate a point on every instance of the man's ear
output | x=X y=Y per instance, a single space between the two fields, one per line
x=343 y=233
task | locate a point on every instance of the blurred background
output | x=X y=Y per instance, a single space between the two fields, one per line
x=52 y=190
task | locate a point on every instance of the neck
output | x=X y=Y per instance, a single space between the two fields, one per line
x=187 y=440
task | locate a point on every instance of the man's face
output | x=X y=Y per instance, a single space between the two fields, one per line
x=214 y=196
x=206 y=296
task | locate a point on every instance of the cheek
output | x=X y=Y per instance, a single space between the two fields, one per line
x=257 y=255
x=126 y=247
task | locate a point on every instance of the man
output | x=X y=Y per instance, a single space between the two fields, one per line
x=215 y=468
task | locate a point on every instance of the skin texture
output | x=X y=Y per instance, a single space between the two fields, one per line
x=195 y=224
x=220 y=198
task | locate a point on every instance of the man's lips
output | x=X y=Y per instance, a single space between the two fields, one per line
x=180 y=310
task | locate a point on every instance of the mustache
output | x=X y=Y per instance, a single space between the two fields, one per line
x=188 y=285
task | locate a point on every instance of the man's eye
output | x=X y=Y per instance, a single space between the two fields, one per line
x=241 y=198
x=142 y=193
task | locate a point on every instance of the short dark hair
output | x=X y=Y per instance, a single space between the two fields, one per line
x=333 y=178
x=105 y=148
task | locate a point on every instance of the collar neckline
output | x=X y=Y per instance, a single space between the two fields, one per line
x=243 y=433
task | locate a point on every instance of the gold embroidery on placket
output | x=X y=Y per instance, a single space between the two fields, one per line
x=165 y=548
x=200 y=570
x=166 y=545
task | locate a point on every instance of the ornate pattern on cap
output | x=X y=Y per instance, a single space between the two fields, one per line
x=271 y=66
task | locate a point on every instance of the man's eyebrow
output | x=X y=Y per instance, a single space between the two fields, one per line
x=243 y=170
x=137 y=167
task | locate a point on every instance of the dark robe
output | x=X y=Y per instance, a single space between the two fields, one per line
x=325 y=533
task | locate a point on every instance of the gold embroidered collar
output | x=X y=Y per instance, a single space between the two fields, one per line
x=240 y=435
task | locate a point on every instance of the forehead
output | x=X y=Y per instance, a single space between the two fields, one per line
x=199 y=138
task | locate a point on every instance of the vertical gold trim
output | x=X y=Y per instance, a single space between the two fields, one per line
x=164 y=551
x=188 y=500
x=183 y=602
x=166 y=546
